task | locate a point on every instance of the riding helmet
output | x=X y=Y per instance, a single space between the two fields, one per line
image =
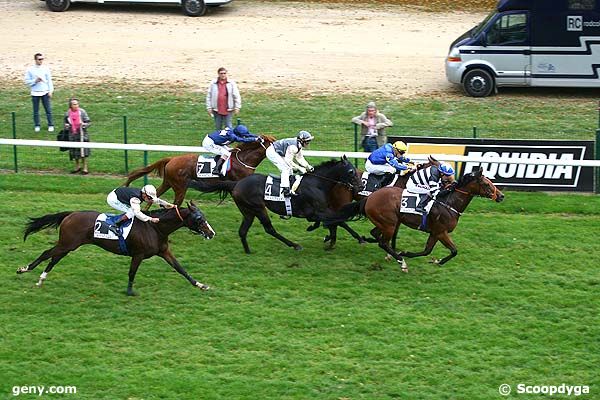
x=304 y=137
x=446 y=169
x=241 y=130
x=400 y=146
x=149 y=190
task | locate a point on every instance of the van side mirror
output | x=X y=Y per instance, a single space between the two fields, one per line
x=483 y=39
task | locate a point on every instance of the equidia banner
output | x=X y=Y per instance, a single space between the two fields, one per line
x=515 y=176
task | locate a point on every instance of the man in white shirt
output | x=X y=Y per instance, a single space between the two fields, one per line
x=39 y=79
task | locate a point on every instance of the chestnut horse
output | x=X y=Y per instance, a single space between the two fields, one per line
x=383 y=210
x=145 y=239
x=178 y=171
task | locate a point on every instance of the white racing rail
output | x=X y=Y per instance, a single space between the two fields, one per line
x=309 y=153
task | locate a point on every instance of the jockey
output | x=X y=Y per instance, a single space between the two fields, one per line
x=426 y=183
x=216 y=142
x=129 y=200
x=286 y=154
x=388 y=159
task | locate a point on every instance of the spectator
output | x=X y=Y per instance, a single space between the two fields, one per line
x=372 y=127
x=39 y=79
x=223 y=100
x=77 y=122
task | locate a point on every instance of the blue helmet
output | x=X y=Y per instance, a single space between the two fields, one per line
x=241 y=130
x=446 y=169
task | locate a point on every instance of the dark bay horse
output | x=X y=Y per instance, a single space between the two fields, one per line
x=310 y=203
x=383 y=210
x=178 y=171
x=145 y=239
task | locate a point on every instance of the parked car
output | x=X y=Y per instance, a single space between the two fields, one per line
x=193 y=8
x=529 y=43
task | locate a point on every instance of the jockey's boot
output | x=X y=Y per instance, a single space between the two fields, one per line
x=423 y=201
x=217 y=169
x=116 y=228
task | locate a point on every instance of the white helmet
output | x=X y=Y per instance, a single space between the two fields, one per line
x=304 y=137
x=150 y=191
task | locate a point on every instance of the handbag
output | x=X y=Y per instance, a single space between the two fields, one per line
x=63 y=136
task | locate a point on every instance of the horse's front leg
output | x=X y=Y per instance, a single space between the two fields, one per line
x=447 y=241
x=352 y=232
x=170 y=258
x=431 y=241
x=313 y=226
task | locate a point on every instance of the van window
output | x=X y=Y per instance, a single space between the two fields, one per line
x=510 y=29
x=582 y=4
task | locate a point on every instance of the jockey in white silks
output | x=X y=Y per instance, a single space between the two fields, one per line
x=286 y=155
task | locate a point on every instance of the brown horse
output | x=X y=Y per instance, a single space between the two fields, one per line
x=383 y=210
x=144 y=241
x=178 y=171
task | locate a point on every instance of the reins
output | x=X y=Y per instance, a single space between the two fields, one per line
x=348 y=184
x=178 y=213
x=237 y=151
x=494 y=196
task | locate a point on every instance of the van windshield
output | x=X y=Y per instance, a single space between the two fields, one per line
x=477 y=30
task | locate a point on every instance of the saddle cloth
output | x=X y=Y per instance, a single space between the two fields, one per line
x=373 y=182
x=101 y=225
x=409 y=203
x=273 y=187
x=205 y=166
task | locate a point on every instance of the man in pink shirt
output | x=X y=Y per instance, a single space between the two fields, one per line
x=223 y=100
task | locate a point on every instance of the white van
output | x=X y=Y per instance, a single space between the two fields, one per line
x=529 y=43
x=193 y=8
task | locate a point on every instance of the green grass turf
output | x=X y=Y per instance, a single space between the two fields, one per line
x=518 y=304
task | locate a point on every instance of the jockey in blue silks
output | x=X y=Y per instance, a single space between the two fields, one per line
x=389 y=158
x=216 y=142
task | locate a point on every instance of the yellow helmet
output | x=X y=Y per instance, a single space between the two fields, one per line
x=400 y=146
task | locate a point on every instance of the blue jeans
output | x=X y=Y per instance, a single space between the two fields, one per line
x=370 y=144
x=36 y=109
x=223 y=119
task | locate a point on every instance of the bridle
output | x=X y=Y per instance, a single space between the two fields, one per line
x=494 y=195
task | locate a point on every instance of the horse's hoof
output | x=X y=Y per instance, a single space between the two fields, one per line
x=434 y=261
x=202 y=286
x=389 y=257
x=403 y=266
x=22 y=270
x=297 y=247
x=132 y=293
x=326 y=239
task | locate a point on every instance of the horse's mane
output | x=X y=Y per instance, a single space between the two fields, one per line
x=254 y=145
x=327 y=165
x=159 y=212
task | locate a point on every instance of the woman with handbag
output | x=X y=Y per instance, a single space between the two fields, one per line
x=76 y=123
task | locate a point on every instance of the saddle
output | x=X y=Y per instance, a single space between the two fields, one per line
x=373 y=182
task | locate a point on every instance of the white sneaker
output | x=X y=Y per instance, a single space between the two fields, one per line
x=50 y=129
x=36 y=129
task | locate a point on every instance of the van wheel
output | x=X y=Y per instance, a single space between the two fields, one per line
x=58 y=5
x=193 y=8
x=478 y=83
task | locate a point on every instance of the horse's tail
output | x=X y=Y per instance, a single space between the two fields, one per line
x=346 y=213
x=223 y=187
x=158 y=166
x=47 y=221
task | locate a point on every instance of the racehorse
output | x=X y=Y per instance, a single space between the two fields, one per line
x=383 y=210
x=144 y=241
x=178 y=171
x=311 y=201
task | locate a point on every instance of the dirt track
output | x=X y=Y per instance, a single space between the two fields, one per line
x=300 y=46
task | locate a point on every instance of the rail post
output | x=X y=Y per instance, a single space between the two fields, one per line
x=14 y=132
x=355 y=143
x=474 y=132
x=125 y=142
x=145 y=165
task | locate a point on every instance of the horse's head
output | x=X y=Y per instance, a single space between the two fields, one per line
x=477 y=184
x=196 y=221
